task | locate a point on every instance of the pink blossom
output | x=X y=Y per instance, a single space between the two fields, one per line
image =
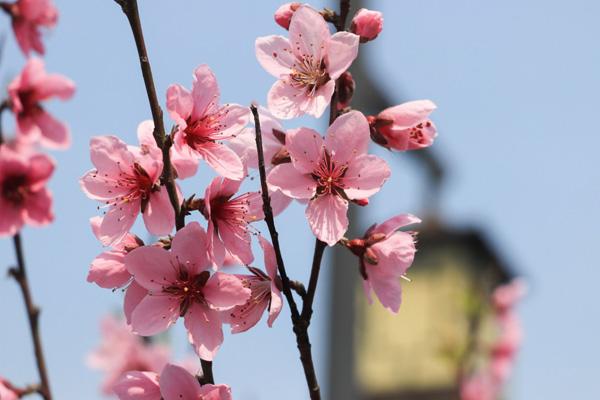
x=404 y=127
x=266 y=294
x=367 y=24
x=228 y=218
x=504 y=350
x=202 y=122
x=28 y=16
x=121 y=351
x=26 y=94
x=306 y=65
x=108 y=269
x=178 y=284
x=127 y=180
x=479 y=387
x=174 y=383
x=329 y=172
x=275 y=153
x=24 y=198
x=505 y=297
x=6 y=391
x=283 y=15
x=385 y=256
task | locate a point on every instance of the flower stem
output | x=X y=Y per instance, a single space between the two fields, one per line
x=300 y=324
x=33 y=312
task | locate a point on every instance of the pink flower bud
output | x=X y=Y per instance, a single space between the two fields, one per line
x=367 y=24
x=283 y=15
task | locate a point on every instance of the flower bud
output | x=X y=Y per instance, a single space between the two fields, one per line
x=367 y=24
x=284 y=14
x=345 y=90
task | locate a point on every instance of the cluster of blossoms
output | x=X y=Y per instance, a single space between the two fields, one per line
x=185 y=274
x=487 y=383
x=24 y=171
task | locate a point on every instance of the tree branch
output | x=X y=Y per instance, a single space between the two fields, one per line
x=299 y=324
x=33 y=312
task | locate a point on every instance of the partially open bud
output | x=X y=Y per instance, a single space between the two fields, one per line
x=345 y=90
x=367 y=24
x=284 y=14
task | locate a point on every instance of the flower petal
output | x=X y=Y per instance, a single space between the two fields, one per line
x=108 y=270
x=225 y=291
x=342 y=51
x=118 y=221
x=179 y=104
x=154 y=314
x=189 y=246
x=205 y=92
x=309 y=33
x=151 y=267
x=138 y=385
x=305 y=147
x=275 y=55
x=365 y=176
x=395 y=223
x=223 y=160
x=177 y=384
x=205 y=330
x=327 y=217
x=348 y=137
x=159 y=216
x=291 y=182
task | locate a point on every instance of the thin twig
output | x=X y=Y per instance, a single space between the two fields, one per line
x=300 y=325
x=33 y=313
x=130 y=8
x=312 y=283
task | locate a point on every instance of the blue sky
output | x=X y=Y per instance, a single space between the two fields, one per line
x=516 y=84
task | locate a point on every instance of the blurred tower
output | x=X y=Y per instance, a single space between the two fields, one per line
x=420 y=353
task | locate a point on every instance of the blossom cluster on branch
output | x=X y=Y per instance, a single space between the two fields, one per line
x=187 y=274
x=24 y=168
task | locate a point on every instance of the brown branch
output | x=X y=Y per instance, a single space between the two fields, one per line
x=312 y=283
x=33 y=313
x=130 y=8
x=300 y=325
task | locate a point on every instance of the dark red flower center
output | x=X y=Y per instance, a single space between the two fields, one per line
x=15 y=189
x=189 y=289
x=329 y=176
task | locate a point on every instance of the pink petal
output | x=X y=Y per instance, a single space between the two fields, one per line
x=225 y=291
x=205 y=332
x=41 y=168
x=55 y=134
x=159 y=216
x=395 y=254
x=99 y=187
x=177 y=384
x=118 y=221
x=108 y=270
x=348 y=137
x=291 y=182
x=395 y=223
x=269 y=257
x=151 y=266
x=11 y=219
x=275 y=306
x=246 y=316
x=54 y=85
x=275 y=55
x=216 y=249
x=205 y=92
x=236 y=240
x=184 y=162
x=39 y=208
x=145 y=135
x=189 y=246
x=316 y=104
x=133 y=296
x=284 y=100
x=388 y=291
x=279 y=201
x=305 y=147
x=179 y=104
x=109 y=154
x=343 y=49
x=138 y=385
x=223 y=160
x=408 y=114
x=215 y=392
x=233 y=118
x=365 y=176
x=327 y=217
x=28 y=37
x=154 y=314
x=309 y=33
